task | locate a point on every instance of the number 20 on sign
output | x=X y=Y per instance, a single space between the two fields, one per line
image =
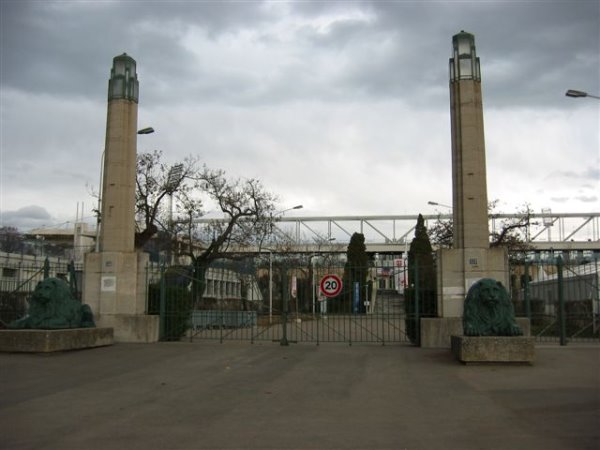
x=331 y=285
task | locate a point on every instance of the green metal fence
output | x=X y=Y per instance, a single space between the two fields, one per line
x=561 y=299
x=285 y=302
x=281 y=300
x=20 y=276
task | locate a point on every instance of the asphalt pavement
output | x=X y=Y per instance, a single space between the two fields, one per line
x=206 y=395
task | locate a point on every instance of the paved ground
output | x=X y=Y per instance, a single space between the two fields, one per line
x=210 y=395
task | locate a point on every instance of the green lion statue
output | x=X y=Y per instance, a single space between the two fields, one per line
x=489 y=311
x=52 y=306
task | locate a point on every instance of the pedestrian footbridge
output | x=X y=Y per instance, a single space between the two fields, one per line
x=393 y=233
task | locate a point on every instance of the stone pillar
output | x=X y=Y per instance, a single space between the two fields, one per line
x=120 y=153
x=471 y=257
x=115 y=277
x=469 y=185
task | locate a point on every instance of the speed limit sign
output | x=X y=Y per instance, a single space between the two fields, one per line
x=331 y=285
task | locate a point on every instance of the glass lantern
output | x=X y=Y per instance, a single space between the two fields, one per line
x=123 y=83
x=464 y=64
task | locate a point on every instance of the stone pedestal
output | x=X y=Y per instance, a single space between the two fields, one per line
x=44 y=341
x=116 y=290
x=132 y=327
x=437 y=331
x=493 y=349
x=458 y=269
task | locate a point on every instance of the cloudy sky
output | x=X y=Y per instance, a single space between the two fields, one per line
x=340 y=106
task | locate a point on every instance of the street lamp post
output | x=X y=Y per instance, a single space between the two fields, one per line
x=438 y=204
x=277 y=213
x=311 y=262
x=289 y=209
x=282 y=212
x=577 y=94
x=270 y=287
x=313 y=285
x=270 y=284
x=147 y=130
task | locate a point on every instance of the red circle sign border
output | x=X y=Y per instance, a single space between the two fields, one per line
x=336 y=279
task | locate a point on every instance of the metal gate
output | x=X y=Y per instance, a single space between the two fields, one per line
x=296 y=327
x=283 y=303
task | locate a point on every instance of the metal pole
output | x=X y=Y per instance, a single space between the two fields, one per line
x=313 y=286
x=417 y=319
x=98 y=212
x=170 y=248
x=270 y=287
x=561 y=302
x=284 y=296
x=163 y=306
x=526 y=292
x=596 y=302
x=46 y=268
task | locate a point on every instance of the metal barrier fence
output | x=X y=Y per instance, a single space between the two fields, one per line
x=561 y=299
x=286 y=302
x=283 y=301
x=20 y=275
x=321 y=328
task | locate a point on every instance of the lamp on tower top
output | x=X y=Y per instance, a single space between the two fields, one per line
x=123 y=83
x=464 y=64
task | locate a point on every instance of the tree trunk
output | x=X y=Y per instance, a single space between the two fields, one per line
x=198 y=283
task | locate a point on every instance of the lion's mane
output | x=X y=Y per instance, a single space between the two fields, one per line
x=53 y=306
x=488 y=311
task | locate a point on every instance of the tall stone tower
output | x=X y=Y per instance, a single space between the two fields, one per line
x=471 y=257
x=115 y=276
x=469 y=187
x=120 y=152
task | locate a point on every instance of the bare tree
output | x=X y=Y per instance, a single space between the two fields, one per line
x=155 y=181
x=441 y=233
x=191 y=189
x=247 y=209
x=511 y=232
x=11 y=240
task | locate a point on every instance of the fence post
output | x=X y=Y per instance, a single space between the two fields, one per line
x=73 y=280
x=417 y=312
x=46 y=268
x=163 y=304
x=285 y=293
x=526 y=292
x=596 y=302
x=561 y=302
x=221 y=321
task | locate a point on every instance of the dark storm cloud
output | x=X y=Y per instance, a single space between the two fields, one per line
x=40 y=40
x=26 y=217
x=531 y=51
x=540 y=50
x=285 y=90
